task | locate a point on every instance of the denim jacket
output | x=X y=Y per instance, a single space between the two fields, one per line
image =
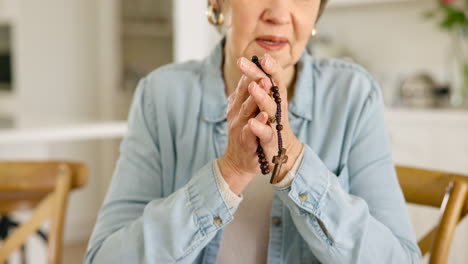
x=344 y=205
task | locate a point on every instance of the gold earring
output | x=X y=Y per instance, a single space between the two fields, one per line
x=214 y=16
x=314 y=33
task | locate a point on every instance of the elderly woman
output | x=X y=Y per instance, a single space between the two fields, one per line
x=188 y=186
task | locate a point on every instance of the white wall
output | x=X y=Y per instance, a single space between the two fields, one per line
x=56 y=58
x=194 y=36
x=57 y=82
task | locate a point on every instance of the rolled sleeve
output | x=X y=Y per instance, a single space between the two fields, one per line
x=310 y=184
x=369 y=221
x=206 y=197
x=137 y=222
x=308 y=189
x=288 y=179
x=231 y=199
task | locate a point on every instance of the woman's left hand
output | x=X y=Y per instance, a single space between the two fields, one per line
x=266 y=132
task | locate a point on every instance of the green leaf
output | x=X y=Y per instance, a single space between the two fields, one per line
x=451 y=16
x=448 y=22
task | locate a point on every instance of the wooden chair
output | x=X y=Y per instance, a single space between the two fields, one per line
x=43 y=187
x=428 y=187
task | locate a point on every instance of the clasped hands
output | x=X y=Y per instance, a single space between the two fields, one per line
x=239 y=164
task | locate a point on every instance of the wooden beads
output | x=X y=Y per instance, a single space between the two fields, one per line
x=281 y=157
x=261 y=158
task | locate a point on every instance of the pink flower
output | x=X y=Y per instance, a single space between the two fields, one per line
x=447 y=2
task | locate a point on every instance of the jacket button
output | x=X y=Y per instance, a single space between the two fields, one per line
x=303 y=197
x=276 y=221
x=217 y=221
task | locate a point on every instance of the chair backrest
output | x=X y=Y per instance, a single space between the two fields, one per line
x=429 y=187
x=43 y=187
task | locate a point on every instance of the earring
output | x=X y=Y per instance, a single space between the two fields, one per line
x=314 y=33
x=214 y=16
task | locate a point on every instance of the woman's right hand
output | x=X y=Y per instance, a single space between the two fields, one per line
x=239 y=164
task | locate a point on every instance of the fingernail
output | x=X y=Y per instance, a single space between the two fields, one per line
x=252 y=86
x=242 y=62
x=252 y=123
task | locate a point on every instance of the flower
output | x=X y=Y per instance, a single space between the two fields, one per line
x=447 y=2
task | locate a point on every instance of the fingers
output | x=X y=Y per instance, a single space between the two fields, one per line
x=254 y=74
x=272 y=67
x=251 y=70
x=258 y=99
x=257 y=127
x=238 y=97
x=251 y=73
x=248 y=109
x=230 y=101
x=260 y=129
x=248 y=136
x=262 y=99
x=269 y=65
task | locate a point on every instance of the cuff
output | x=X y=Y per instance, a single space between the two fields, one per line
x=310 y=185
x=288 y=179
x=204 y=195
x=231 y=199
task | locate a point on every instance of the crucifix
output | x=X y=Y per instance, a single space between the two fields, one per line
x=281 y=158
x=278 y=160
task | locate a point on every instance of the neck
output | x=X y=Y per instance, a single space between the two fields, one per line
x=232 y=75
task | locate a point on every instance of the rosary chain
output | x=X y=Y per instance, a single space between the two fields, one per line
x=261 y=155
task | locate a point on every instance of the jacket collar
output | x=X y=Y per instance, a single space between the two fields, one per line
x=214 y=102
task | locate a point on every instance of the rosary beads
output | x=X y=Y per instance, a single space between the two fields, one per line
x=281 y=158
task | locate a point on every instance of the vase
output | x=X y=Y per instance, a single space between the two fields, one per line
x=459 y=68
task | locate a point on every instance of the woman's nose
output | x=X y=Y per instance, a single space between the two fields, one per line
x=277 y=12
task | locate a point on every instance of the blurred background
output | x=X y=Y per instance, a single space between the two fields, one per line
x=68 y=70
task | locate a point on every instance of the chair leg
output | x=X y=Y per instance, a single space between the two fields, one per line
x=444 y=235
x=23 y=255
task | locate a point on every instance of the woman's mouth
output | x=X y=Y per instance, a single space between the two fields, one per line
x=271 y=43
